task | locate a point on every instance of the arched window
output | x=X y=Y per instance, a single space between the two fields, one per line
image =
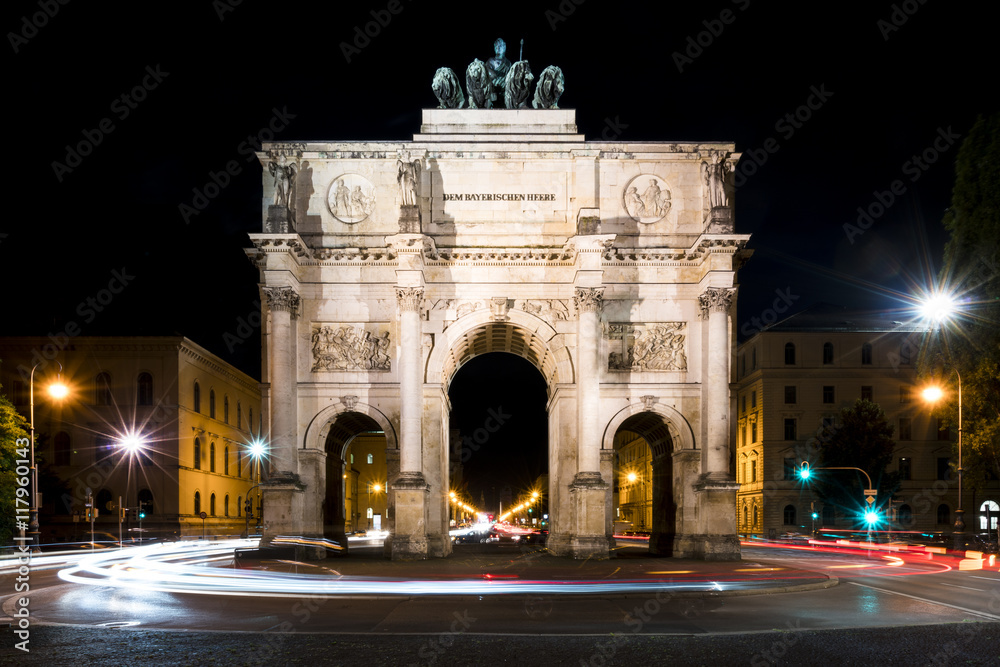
x=239 y=415
x=62 y=445
x=753 y=359
x=789 y=354
x=943 y=514
x=144 y=389
x=197 y=454
x=225 y=461
x=197 y=502
x=904 y=516
x=250 y=419
x=102 y=389
x=789 y=515
x=866 y=354
x=746 y=516
x=239 y=463
x=239 y=505
x=755 y=513
x=197 y=397
x=371 y=459
x=211 y=458
x=225 y=506
x=827 y=353
x=993 y=509
x=146 y=502
x=225 y=409
x=211 y=505
x=211 y=403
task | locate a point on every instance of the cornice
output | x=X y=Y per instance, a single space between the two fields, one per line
x=676 y=256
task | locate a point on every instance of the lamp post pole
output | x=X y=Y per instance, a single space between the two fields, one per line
x=959 y=532
x=34 y=533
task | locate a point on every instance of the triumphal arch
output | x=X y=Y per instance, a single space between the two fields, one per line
x=610 y=266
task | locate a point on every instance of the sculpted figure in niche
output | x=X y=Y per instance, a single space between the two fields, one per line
x=407 y=175
x=498 y=66
x=550 y=87
x=284 y=177
x=342 y=199
x=517 y=86
x=715 y=181
x=479 y=86
x=447 y=89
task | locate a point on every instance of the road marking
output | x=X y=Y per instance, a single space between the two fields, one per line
x=968 y=588
x=914 y=597
x=994 y=579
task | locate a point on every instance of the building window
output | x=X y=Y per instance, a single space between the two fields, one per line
x=225 y=462
x=753 y=359
x=104 y=446
x=828 y=424
x=250 y=419
x=371 y=459
x=789 y=354
x=239 y=415
x=867 y=392
x=225 y=409
x=146 y=502
x=944 y=468
x=225 y=506
x=743 y=365
x=62 y=445
x=211 y=505
x=790 y=429
x=744 y=403
x=753 y=400
x=197 y=397
x=905 y=429
x=197 y=502
x=905 y=468
x=829 y=516
x=239 y=505
x=790 y=468
x=943 y=515
x=790 y=395
x=211 y=458
x=789 y=515
x=827 y=353
x=904 y=393
x=866 y=354
x=943 y=432
x=197 y=454
x=746 y=517
x=828 y=396
x=904 y=516
x=211 y=403
x=755 y=516
x=102 y=389
x=753 y=432
x=239 y=463
x=905 y=353
x=144 y=389
x=753 y=471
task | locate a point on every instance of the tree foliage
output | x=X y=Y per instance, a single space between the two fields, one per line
x=862 y=439
x=13 y=427
x=969 y=343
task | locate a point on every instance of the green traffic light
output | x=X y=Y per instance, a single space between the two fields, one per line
x=804 y=470
x=871 y=517
x=815 y=515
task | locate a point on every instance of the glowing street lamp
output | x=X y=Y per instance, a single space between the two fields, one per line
x=932 y=395
x=58 y=391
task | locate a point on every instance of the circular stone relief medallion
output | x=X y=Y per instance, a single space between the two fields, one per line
x=351 y=198
x=646 y=198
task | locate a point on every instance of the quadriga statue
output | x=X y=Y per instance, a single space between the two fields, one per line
x=447 y=89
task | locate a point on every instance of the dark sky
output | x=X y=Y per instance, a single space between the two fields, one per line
x=216 y=78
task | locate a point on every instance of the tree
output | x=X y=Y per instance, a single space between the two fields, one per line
x=862 y=439
x=13 y=436
x=970 y=342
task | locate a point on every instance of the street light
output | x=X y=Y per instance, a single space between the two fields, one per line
x=132 y=444
x=58 y=391
x=932 y=395
x=377 y=488
x=258 y=450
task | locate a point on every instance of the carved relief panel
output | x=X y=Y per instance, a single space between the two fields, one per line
x=350 y=347
x=636 y=347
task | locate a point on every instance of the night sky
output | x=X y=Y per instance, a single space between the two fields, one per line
x=884 y=87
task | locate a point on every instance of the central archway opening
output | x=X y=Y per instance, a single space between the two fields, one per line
x=356 y=478
x=499 y=439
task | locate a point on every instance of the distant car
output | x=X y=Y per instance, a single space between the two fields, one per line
x=535 y=537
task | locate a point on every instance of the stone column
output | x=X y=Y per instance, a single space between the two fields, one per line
x=715 y=305
x=410 y=488
x=283 y=302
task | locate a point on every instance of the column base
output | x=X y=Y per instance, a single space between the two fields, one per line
x=409 y=539
x=587 y=537
x=283 y=500
x=716 y=539
x=707 y=547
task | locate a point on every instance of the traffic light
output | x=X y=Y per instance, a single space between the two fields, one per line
x=142 y=515
x=121 y=514
x=871 y=517
x=248 y=507
x=804 y=470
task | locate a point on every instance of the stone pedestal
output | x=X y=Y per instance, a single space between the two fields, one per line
x=720 y=221
x=588 y=538
x=277 y=220
x=409 y=219
x=283 y=499
x=716 y=526
x=409 y=540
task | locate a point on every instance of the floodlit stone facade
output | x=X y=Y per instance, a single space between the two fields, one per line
x=610 y=266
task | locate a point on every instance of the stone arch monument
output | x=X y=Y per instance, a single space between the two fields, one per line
x=610 y=266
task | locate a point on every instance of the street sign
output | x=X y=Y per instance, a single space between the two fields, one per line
x=871 y=492
x=870 y=499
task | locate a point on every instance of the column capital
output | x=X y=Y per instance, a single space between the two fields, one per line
x=409 y=298
x=282 y=298
x=716 y=300
x=589 y=299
